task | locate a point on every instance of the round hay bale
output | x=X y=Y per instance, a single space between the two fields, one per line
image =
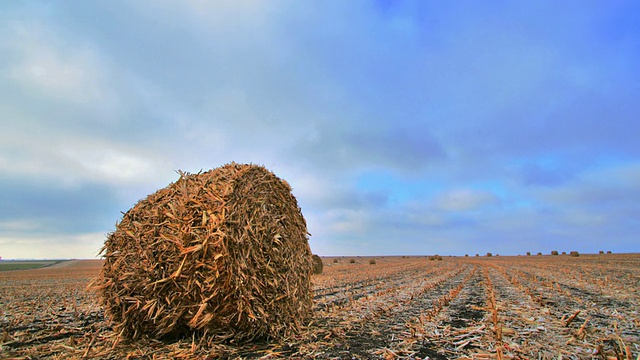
x=317 y=264
x=222 y=254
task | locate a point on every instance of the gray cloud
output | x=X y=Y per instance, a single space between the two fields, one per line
x=39 y=206
x=406 y=127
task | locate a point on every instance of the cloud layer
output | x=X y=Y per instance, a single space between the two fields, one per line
x=404 y=128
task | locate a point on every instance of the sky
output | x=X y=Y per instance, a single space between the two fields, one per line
x=403 y=127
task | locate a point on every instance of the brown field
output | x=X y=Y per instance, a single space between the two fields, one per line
x=525 y=307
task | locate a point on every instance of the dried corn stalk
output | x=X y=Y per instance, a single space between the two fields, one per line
x=317 y=264
x=223 y=253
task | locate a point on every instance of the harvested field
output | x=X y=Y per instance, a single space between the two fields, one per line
x=27 y=264
x=535 y=307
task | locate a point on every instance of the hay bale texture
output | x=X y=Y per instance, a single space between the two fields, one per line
x=317 y=264
x=222 y=253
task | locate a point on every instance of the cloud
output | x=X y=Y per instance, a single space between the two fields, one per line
x=410 y=127
x=43 y=65
x=605 y=186
x=37 y=205
x=362 y=149
x=464 y=199
x=113 y=164
x=80 y=246
x=71 y=160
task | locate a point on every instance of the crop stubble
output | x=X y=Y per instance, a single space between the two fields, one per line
x=475 y=308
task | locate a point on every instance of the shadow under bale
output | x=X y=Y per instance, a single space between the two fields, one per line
x=224 y=253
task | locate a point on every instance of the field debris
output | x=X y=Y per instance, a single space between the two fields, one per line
x=403 y=308
x=317 y=264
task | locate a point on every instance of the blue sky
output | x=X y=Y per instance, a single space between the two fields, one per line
x=415 y=127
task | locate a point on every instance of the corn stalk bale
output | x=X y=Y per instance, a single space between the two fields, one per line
x=317 y=264
x=222 y=254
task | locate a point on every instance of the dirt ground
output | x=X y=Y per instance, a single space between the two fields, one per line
x=521 y=307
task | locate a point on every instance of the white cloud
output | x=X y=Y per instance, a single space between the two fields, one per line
x=112 y=164
x=584 y=218
x=50 y=66
x=72 y=160
x=597 y=188
x=81 y=246
x=322 y=94
x=463 y=199
x=13 y=226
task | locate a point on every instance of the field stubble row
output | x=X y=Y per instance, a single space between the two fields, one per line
x=546 y=307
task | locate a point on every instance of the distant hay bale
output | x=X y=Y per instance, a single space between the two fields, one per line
x=528 y=253
x=574 y=254
x=222 y=253
x=352 y=261
x=609 y=252
x=489 y=254
x=372 y=261
x=601 y=252
x=554 y=252
x=317 y=264
x=335 y=261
